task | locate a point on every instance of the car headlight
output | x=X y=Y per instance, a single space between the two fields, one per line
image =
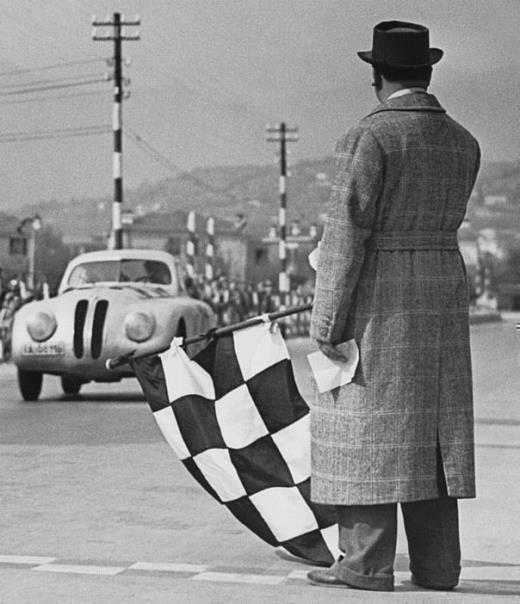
x=139 y=326
x=41 y=325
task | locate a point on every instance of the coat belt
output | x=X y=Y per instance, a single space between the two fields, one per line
x=413 y=240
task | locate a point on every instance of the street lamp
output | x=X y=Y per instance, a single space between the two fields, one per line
x=35 y=223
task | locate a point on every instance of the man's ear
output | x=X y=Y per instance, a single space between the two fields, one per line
x=377 y=80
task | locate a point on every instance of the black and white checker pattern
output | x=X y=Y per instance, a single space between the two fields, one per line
x=235 y=418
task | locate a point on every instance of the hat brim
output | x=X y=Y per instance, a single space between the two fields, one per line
x=435 y=57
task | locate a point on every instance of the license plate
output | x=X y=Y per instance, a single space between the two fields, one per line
x=44 y=349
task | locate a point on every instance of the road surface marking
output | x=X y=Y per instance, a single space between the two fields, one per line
x=298 y=574
x=81 y=569
x=32 y=560
x=239 y=578
x=203 y=572
x=171 y=567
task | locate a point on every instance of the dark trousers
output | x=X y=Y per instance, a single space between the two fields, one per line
x=368 y=536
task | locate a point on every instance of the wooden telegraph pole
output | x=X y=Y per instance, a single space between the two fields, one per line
x=117 y=22
x=282 y=134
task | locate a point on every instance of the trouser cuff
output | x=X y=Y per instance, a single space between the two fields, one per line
x=446 y=580
x=378 y=582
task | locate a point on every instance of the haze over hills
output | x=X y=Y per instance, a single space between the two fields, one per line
x=250 y=190
x=221 y=192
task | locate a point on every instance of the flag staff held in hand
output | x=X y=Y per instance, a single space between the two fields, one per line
x=213 y=333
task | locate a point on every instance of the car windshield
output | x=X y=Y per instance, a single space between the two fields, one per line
x=120 y=271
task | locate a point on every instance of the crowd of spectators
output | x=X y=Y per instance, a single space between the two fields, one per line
x=234 y=302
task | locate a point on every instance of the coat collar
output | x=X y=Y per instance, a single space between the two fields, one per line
x=417 y=101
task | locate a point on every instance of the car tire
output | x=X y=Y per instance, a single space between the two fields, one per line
x=181 y=329
x=70 y=385
x=30 y=384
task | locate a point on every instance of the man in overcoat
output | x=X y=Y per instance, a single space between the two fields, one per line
x=390 y=276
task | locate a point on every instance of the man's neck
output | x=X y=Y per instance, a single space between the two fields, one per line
x=397 y=89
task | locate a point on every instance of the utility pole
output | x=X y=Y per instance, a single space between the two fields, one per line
x=282 y=134
x=117 y=22
x=191 y=244
x=210 y=249
x=35 y=224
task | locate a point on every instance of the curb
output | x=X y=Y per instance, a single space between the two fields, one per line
x=491 y=316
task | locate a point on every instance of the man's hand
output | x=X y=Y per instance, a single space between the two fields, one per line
x=331 y=351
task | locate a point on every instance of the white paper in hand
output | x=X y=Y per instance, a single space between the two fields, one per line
x=331 y=374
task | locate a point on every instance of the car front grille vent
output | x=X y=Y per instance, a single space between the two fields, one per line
x=100 y=314
x=79 y=325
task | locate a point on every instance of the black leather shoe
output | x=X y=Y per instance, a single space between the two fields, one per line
x=326 y=578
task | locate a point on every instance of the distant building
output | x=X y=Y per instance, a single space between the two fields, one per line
x=13 y=249
x=300 y=243
x=238 y=255
x=168 y=231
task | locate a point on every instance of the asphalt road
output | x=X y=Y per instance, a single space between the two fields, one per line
x=94 y=507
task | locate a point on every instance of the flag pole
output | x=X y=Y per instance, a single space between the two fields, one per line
x=213 y=333
x=267 y=318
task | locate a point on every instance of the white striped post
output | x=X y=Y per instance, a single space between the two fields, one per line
x=117 y=172
x=210 y=249
x=283 y=280
x=479 y=275
x=190 y=244
x=283 y=135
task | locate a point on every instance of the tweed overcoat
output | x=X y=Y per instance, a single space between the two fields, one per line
x=390 y=275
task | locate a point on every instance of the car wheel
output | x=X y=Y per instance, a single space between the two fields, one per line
x=70 y=385
x=181 y=330
x=30 y=384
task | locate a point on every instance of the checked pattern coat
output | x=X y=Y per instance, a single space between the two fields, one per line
x=390 y=275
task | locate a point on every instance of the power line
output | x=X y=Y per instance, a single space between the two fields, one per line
x=56 y=130
x=9 y=137
x=151 y=151
x=40 y=99
x=45 y=81
x=45 y=88
x=179 y=172
x=47 y=67
x=47 y=137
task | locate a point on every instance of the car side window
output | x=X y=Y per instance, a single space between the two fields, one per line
x=158 y=272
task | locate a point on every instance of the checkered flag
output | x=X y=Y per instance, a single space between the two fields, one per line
x=235 y=418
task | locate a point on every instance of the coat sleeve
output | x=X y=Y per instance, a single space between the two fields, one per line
x=358 y=179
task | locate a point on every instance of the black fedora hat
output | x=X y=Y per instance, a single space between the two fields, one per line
x=401 y=45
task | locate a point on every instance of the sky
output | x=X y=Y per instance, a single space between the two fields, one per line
x=207 y=76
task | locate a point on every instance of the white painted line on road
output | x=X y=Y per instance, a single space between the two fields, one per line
x=169 y=567
x=298 y=574
x=200 y=572
x=81 y=569
x=490 y=573
x=239 y=578
x=25 y=559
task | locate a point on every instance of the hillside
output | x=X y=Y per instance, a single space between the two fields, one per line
x=253 y=191
x=221 y=192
